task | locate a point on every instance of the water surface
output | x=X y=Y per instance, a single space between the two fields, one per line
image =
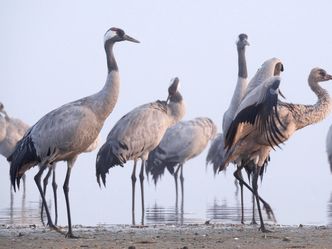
x=206 y=199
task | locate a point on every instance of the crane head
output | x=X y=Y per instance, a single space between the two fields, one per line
x=318 y=75
x=173 y=88
x=117 y=35
x=278 y=68
x=242 y=41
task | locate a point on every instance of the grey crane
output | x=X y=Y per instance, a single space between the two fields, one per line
x=136 y=134
x=181 y=142
x=11 y=131
x=14 y=129
x=64 y=133
x=216 y=150
x=241 y=85
x=264 y=122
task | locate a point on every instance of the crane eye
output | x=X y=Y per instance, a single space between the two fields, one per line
x=322 y=73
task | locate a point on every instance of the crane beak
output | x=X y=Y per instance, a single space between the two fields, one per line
x=128 y=38
x=328 y=77
x=167 y=100
x=281 y=94
x=247 y=43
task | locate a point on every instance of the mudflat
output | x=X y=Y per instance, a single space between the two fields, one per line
x=168 y=236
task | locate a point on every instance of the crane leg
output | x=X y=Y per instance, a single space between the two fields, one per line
x=242 y=204
x=141 y=178
x=55 y=187
x=182 y=193
x=66 y=191
x=133 y=183
x=45 y=182
x=24 y=184
x=11 y=202
x=37 y=180
x=255 y=188
x=238 y=182
x=253 y=220
x=175 y=175
x=267 y=206
x=182 y=186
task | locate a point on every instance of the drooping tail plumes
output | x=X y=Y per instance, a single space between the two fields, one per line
x=23 y=158
x=155 y=165
x=216 y=152
x=106 y=159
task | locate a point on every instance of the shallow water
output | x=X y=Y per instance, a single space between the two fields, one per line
x=206 y=198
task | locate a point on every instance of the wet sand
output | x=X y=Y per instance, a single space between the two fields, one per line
x=169 y=236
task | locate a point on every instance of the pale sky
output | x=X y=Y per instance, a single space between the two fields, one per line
x=52 y=53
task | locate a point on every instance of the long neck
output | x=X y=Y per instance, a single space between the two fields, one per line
x=240 y=90
x=104 y=101
x=242 y=64
x=310 y=114
x=111 y=62
x=242 y=82
x=176 y=108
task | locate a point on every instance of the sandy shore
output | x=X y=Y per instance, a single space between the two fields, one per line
x=168 y=236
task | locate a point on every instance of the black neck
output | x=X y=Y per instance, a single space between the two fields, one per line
x=111 y=63
x=176 y=98
x=243 y=73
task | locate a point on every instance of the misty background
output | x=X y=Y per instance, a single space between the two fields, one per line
x=52 y=53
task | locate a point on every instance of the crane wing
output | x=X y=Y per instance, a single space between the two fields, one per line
x=259 y=109
x=133 y=136
x=268 y=69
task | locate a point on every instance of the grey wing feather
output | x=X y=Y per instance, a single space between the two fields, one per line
x=133 y=136
x=66 y=129
x=23 y=158
x=59 y=135
x=262 y=114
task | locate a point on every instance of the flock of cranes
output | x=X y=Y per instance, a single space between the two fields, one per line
x=255 y=123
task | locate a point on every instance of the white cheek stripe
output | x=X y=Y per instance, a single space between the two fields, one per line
x=109 y=35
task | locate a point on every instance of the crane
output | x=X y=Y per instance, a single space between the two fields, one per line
x=263 y=122
x=181 y=142
x=136 y=134
x=64 y=133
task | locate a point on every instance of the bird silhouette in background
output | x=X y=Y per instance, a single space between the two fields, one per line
x=11 y=131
